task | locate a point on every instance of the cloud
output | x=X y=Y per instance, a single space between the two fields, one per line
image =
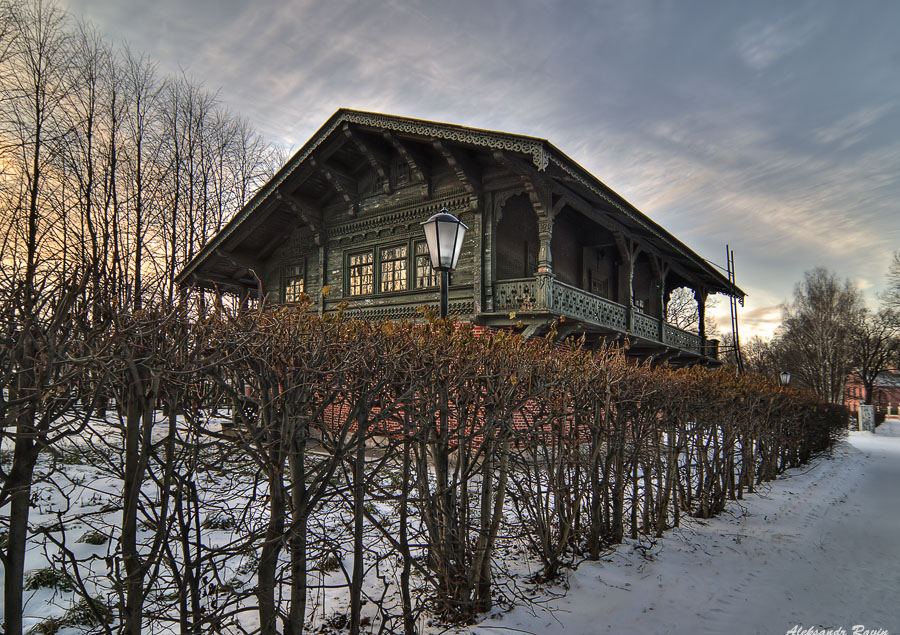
x=847 y=128
x=779 y=163
x=763 y=314
x=761 y=44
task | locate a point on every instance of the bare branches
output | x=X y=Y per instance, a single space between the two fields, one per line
x=265 y=470
x=815 y=335
x=107 y=166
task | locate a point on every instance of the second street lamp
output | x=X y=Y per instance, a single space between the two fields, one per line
x=444 y=234
x=785 y=378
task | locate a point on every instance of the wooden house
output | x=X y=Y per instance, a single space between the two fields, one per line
x=546 y=238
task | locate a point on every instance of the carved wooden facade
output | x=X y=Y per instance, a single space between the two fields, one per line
x=546 y=238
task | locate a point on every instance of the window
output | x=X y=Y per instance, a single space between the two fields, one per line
x=294 y=281
x=425 y=275
x=361 y=273
x=393 y=268
x=390 y=269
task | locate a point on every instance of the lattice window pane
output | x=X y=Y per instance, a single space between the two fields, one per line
x=393 y=269
x=361 y=268
x=294 y=282
x=425 y=275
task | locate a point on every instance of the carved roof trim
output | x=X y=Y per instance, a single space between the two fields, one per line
x=540 y=150
x=533 y=146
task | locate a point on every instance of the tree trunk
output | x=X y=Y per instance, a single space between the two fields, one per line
x=359 y=497
x=268 y=560
x=297 y=542
x=24 y=458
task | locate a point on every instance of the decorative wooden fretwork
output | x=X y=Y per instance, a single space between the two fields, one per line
x=400 y=173
x=515 y=295
x=483 y=138
x=524 y=295
x=577 y=303
x=682 y=339
x=412 y=211
x=463 y=308
x=646 y=326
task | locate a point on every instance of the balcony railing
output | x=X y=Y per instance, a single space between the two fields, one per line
x=546 y=294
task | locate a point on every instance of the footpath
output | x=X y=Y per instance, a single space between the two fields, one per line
x=816 y=552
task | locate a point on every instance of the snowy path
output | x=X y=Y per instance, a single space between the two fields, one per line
x=819 y=549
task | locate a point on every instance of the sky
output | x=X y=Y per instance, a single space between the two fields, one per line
x=773 y=127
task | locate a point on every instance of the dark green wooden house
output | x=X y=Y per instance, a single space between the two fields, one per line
x=546 y=238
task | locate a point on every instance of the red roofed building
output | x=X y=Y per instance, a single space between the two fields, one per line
x=885 y=394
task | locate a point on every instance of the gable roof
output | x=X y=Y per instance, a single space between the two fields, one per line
x=542 y=154
x=887 y=379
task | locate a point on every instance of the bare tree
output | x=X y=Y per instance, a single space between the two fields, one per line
x=815 y=337
x=682 y=311
x=761 y=356
x=875 y=343
x=142 y=90
x=890 y=297
x=33 y=125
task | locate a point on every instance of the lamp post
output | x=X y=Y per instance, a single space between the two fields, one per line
x=444 y=234
x=785 y=378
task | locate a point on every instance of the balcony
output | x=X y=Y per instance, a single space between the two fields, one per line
x=543 y=294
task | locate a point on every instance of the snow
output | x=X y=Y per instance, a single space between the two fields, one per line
x=815 y=552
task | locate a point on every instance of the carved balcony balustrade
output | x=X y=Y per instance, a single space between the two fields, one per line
x=543 y=294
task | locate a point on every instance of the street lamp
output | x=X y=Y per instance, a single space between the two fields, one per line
x=444 y=233
x=785 y=378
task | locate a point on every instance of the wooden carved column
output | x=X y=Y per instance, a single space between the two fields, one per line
x=323 y=275
x=628 y=250
x=545 y=261
x=700 y=296
x=478 y=207
x=658 y=296
x=545 y=233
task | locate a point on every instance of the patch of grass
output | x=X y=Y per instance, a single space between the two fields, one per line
x=371 y=509
x=393 y=479
x=229 y=587
x=338 y=621
x=72 y=455
x=81 y=614
x=47 y=578
x=218 y=522
x=49 y=626
x=170 y=596
x=96 y=538
x=328 y=563
x=248 y=566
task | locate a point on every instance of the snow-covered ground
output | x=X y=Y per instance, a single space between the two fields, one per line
x=815 y=552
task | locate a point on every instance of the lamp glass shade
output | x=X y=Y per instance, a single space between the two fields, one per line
x=785 y=378
x=444 y=234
